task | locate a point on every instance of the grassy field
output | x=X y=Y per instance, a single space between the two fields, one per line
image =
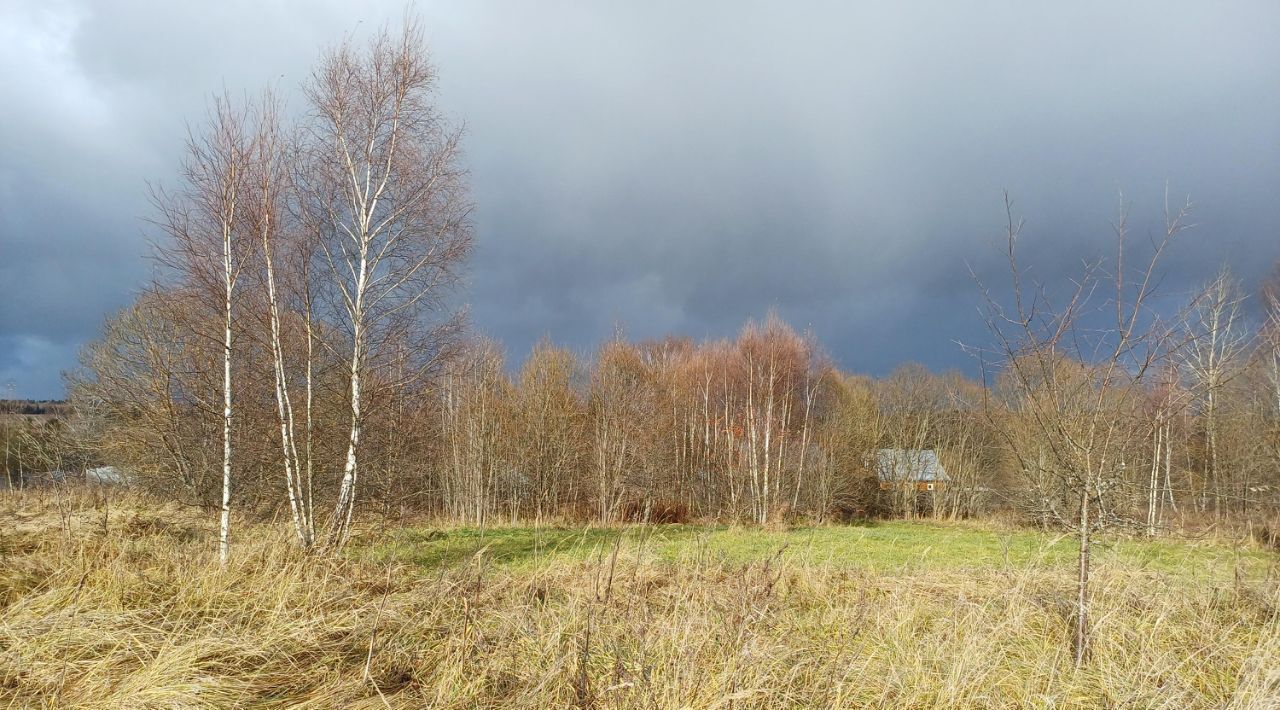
x=893 y=547
x=122 y=604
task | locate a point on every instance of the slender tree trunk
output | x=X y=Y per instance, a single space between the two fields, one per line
x=804 y=444
x=1081 y=645
x=8 y=469
x=284 y=406
x=224 y=527
x=1214 y=479
x=342 y=512
x=768 y=431
x=310 y=502
x=346 y=493
x=1153 y=483
x=1168 y=467
x=1275 y=365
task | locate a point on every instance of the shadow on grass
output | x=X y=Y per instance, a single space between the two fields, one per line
x=434 y=548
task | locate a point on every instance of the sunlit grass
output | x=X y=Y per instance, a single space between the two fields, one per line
x=883 y=547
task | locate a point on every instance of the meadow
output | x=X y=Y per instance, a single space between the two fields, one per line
x=121 y=603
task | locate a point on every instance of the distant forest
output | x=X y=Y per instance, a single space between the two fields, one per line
x=35 y=407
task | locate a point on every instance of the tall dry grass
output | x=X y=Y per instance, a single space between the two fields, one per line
x=117 y=604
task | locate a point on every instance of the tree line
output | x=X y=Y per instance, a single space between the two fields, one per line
x=760 y=428
x=34 y=407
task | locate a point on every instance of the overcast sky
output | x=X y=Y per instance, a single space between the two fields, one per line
x=679 y=167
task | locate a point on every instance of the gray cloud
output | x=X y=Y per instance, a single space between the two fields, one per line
x=680 y=167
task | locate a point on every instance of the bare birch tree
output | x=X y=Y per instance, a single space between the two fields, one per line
x=269 y=173
x=208 y=249
x=1217 y=344
x=384 y=185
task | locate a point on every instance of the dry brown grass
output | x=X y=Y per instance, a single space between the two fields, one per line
x=125 y=606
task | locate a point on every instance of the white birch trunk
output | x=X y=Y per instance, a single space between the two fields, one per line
x=342 y=511
x=284 y=407
x=224 y=526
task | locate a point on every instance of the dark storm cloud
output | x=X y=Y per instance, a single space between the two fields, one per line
x=679 y=167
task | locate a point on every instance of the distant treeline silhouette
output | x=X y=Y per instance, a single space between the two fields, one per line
x=35 y=407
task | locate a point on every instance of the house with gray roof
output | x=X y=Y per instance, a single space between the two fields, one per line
x=918 y=468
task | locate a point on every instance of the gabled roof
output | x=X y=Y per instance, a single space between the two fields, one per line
x=896 y=465
x=106 y=475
